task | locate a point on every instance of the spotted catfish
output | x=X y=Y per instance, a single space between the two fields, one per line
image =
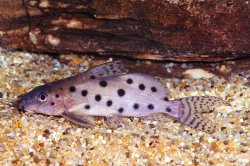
x=108 y=90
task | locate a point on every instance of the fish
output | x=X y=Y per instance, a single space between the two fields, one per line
x=110 y=91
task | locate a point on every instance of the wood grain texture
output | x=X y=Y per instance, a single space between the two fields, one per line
x=212 y=30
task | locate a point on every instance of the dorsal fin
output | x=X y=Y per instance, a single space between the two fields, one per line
x=100 y=71
x=106 y=69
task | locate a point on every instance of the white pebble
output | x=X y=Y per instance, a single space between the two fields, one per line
x=167 y=159
x=210 y=139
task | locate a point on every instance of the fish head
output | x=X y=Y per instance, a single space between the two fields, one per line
x=42 y=100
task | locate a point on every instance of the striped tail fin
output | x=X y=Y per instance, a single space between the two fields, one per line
x=194 y=107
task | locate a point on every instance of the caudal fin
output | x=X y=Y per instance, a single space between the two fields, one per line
x=194 y=107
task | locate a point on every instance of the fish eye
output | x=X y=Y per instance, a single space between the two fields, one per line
x=42 y=96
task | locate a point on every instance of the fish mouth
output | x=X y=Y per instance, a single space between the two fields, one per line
x=30 y=111
x=16 y=104
x=21 y=105
x=23 y=109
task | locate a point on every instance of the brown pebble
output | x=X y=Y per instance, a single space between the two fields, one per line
x=223 y=128
x=221 y=88
x=243 y=151
x=36 y=159
x=41 y=144
x=215 y=147
x=244 y=124
x=48 y=162
x=225 y=142
x=202 y=138
x=212 y=162
x=127 y=154
x=14 y=161
x=244 y=144
x=152 y=126
x=245 y=118
x=46 y=133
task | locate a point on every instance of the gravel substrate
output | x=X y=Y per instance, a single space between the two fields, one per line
x=41 y=140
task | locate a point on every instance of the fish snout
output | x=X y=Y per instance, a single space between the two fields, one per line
x=21 y=104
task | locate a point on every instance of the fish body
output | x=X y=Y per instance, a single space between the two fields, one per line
x=108 y=90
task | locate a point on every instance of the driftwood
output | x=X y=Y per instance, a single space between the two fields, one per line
x=187 y=30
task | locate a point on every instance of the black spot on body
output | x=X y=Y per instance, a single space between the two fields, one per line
x=129 y=81
x=84 y=92
x=136 y=106
x=150 y=106
x=92 y=77
x=120 y=110
x=141 y=86
x=153 y=89
x=109 y=103
x=87 y=107
x=57 y=95
x=103 y=83
x=72 y=89
x=168 y=110
x=52 y=103
x=166 y=99
x=98 y=97
x=121 y=92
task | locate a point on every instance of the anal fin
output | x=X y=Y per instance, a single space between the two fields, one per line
x=159 y=117
x=80 y=119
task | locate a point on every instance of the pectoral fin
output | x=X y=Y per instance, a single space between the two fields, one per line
x=80 y=119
